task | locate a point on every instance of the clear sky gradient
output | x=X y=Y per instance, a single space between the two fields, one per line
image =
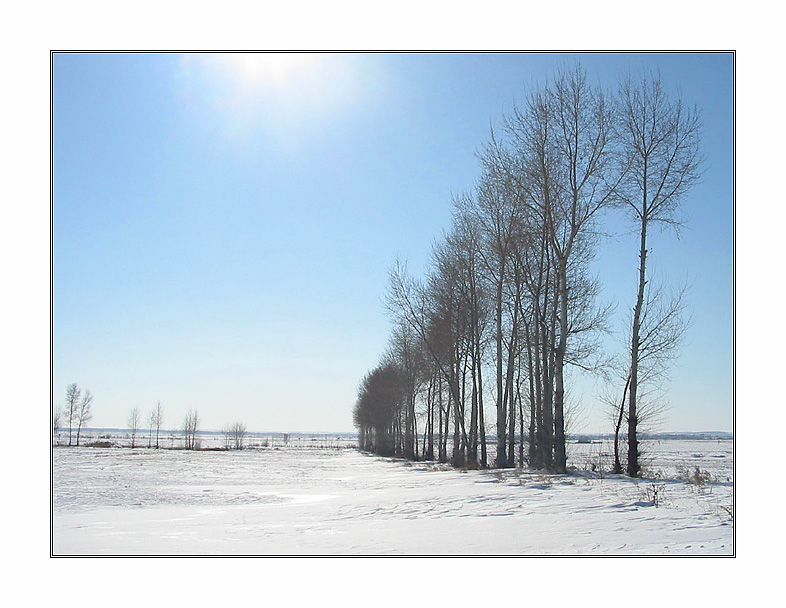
x=223 y=227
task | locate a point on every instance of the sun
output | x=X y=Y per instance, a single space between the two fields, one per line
x=284 y=96
x=267 y=68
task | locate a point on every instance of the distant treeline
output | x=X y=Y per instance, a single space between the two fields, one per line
x=698 y=436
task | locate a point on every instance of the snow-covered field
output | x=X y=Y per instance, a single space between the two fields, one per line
x=338 y=502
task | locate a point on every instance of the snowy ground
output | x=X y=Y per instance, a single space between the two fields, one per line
x=338 y=501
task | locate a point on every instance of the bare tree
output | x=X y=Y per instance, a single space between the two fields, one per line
x=559 y=169
x=83 y=414
x=73 y=393
x=151 y=423
x=583 y=129
x=429 y=311
x=465 y=240
x=497 y=215
x=57 y=420
x=380 y=399
x=156 y=420
x=134 y=421
x=660 y=142
x=190 y=428
x=235 y=436
x=406 y=350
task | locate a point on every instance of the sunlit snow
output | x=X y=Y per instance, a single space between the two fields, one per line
x=339 y=501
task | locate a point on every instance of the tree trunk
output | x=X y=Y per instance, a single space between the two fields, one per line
x=501 y=460
x=548 y=355
x=473 y=427
x=443 y=416
x=510 y=401
x=482 y=423
x=520 y=401
x=618 y=426
x=428 y=449
x=560 y=457
x=532 y=396
x=634 y=466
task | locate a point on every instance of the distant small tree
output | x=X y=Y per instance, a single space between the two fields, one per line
x=190 y=428
x=235 y=436
x=57 y=419
x=227 y=437
x=73 y=393
x=83 y=415
x=156 y=420
x=151 y=423
x=134 y=421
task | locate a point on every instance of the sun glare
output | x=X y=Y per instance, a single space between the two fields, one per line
x=283 y=95
x=261 y=68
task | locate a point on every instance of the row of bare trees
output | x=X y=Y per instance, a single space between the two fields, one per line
x=154 y=420
x=234 y=434
x=510 y=301
x=76 y=413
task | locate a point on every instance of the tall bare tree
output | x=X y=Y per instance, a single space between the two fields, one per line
x=660 y=140
x=447 y=319
x=583 y=131
x=560 y=144
x=496 y=215
x=84 y=413
x=466 y=240
x=433 y=313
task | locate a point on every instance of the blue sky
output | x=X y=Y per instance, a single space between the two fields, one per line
x=223 y=229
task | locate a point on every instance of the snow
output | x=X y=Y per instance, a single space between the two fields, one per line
x=312 y=501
